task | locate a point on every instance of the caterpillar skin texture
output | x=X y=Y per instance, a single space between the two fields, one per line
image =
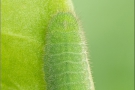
x=66 y=63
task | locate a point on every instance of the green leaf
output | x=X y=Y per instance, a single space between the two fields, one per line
x=24 y=25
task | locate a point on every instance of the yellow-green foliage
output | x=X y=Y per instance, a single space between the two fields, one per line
x=24 y=24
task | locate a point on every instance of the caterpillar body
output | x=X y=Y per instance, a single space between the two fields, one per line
x=66 y=62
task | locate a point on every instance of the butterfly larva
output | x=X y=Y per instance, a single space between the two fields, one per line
x=66 y=63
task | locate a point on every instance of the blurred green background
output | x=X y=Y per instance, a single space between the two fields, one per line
x=109 y=30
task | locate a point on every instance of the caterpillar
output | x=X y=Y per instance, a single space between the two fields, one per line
x=66 y=61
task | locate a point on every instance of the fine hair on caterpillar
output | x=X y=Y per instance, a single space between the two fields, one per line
x=66 y=61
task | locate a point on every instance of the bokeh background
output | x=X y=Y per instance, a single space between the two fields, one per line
x=109 y=30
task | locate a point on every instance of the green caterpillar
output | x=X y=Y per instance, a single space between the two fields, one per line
x=66 y=62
